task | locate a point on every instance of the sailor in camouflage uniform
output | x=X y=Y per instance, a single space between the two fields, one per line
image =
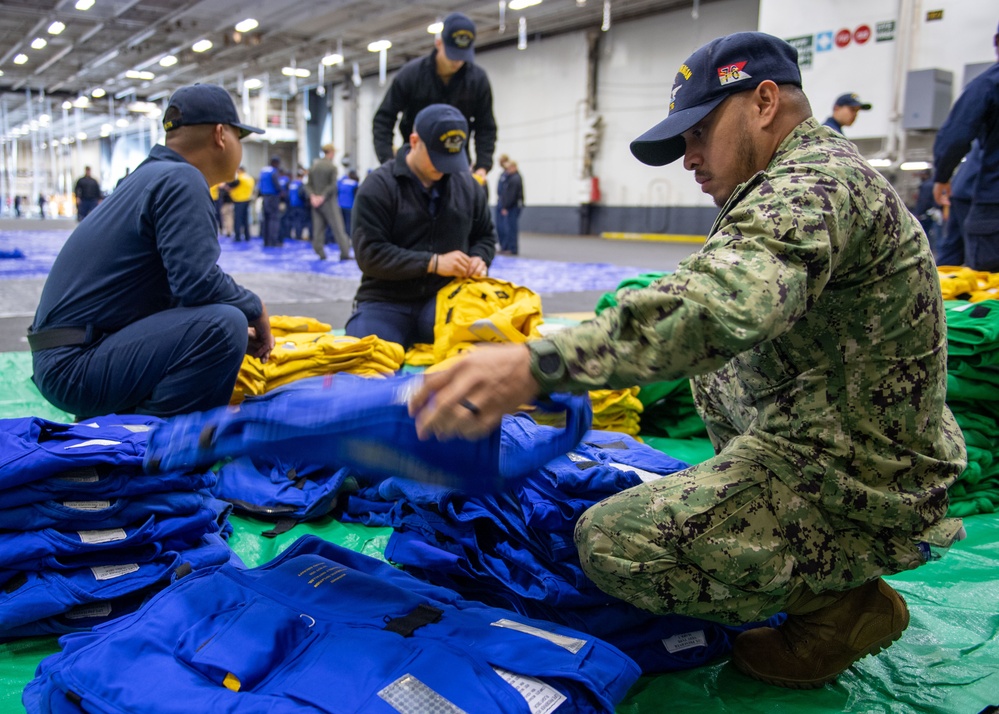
x=812 y=326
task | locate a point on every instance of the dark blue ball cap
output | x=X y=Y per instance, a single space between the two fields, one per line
x=723 y=67
x=444 y=131
x=458 y=36
x=850 y=100
x=204 y=104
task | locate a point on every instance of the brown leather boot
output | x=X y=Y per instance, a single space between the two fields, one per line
x=814 y=646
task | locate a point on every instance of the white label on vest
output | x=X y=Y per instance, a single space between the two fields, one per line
x=646 y=476
x=685 y=641
x=576 y=458
x=408 y=695
x=540 y=697
x=101 y=609
x=94 y=442
x=573 y=644
x=136 y=428
x=87 y=505
x=105 y=535
x=110 y=572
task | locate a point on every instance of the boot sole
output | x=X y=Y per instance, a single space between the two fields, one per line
x=877 y=647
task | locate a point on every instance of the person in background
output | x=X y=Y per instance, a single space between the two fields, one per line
x=241 y=192
x=227 y=221
x=87 y=193
x=500 y=218
x=509 y=201
x=269 y=190
x=926 y=210
x=136 y=315
x=448 y=75
x=17 y=206
x=298 y=207
x=419 y=221
x=974 y=118
x=322 y=189
x=812 y=324
x=845 y=112
x=42 y=201
x=346 y=191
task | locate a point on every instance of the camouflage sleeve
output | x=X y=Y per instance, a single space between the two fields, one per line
x=765 y=263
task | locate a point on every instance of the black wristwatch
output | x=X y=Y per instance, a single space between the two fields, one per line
x=547 y=366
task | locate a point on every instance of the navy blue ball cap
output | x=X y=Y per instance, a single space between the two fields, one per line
x=444 y=130
x=458 y=36
x=723 y=67
x=204 y=104
x=851 y=100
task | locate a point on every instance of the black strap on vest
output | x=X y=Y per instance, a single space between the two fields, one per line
x=282 y=525
x=408 y=624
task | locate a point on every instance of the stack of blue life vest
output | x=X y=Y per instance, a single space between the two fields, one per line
x=85 y=535
x=324 y=629
x=515 y=548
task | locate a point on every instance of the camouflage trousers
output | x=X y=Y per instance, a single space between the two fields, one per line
x=704 y=542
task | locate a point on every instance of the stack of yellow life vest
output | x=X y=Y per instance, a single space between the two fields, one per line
x=959 y=283
x=304 y=347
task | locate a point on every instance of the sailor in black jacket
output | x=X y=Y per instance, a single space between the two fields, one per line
x=445 y=76
x=419 y=220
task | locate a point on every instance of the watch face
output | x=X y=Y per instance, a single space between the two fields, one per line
x=549 y=363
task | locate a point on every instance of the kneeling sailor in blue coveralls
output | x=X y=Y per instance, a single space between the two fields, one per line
x=136 y=315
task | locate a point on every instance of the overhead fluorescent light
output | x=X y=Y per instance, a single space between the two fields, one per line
x=136 y=74
x=106 y=129
x=880 y=163
x=914 y=165
x=20 y=58
x=1 y=73
x=56 y=27
x=247 y=25
x=39 y=43
x=379 y=45
x=202 y=46
x=98 y=92
x=83 y=101
x=332 y=58
x=253 y=83
x=81 y=135
x=121 y=123
x=300 y=72
x=67 y=104
x=44 y=119
x=168 y=61
x=435 y=28
x=142 y=107
x=521 y=4
x=84 y=4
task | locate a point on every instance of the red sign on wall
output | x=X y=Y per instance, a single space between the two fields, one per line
x=862 y=34
x=843 y=38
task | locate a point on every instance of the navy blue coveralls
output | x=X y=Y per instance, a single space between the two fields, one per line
x=136 y=316
x=270 y=190
x=975 y=115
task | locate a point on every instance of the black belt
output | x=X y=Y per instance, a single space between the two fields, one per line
x=58 y=337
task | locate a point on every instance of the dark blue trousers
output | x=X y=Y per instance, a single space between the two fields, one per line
x=241 y=220
x=173 y=362
x=406 y=323
x=270 y=221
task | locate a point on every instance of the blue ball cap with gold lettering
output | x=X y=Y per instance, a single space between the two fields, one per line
x=850 y=100
x=458 y=36
x=444 y=131
x=719 y=69
x=204 y=104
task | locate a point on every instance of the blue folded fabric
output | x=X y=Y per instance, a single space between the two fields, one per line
x=350 y=421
